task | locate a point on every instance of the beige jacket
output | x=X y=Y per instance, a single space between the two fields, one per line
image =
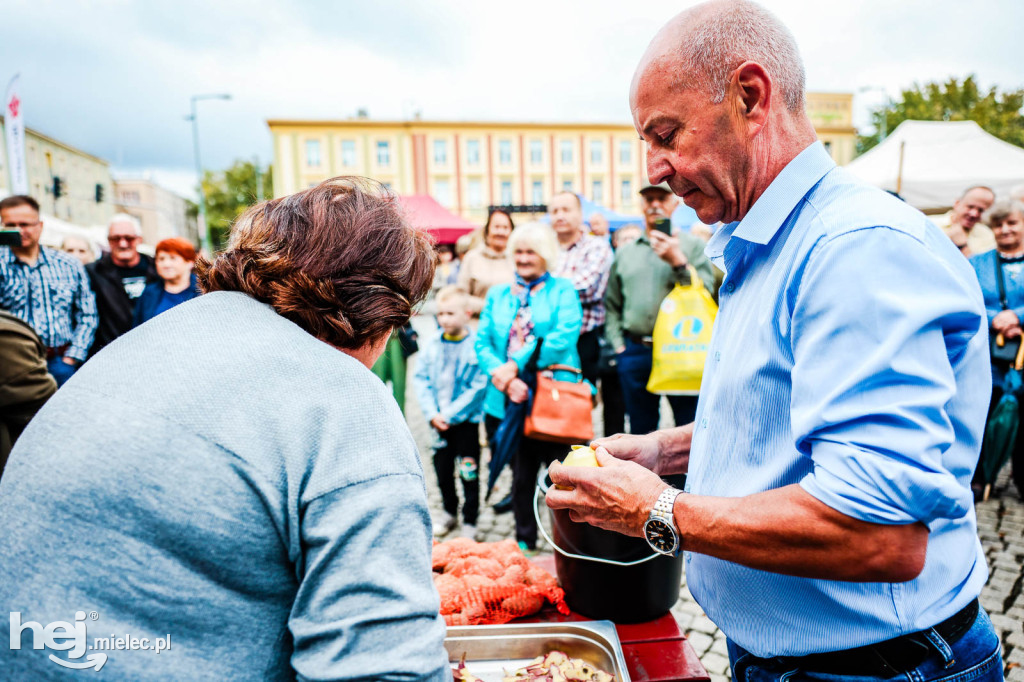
x=480 y=270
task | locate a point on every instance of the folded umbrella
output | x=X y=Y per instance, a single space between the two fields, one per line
x=510 y=432
x=1003 y=426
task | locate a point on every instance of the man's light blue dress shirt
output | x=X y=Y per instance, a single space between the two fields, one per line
x=849 y=356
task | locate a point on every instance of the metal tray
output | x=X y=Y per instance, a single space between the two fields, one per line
x=492 y=649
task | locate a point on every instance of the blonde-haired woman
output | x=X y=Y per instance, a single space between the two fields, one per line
x=515 y=316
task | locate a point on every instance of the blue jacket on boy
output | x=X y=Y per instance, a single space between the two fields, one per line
x=468 y=387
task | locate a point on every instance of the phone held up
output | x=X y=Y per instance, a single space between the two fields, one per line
x=10 y=238
x=663 y=225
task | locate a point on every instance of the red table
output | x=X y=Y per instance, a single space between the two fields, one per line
x=655 y=651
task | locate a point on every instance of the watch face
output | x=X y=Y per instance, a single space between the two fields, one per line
x=660 y=536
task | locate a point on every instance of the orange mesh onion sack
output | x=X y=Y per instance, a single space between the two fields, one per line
x=490 y=583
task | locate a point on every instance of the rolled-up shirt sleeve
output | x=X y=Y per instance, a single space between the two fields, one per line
x=874 y=347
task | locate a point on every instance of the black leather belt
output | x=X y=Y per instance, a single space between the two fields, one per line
x=891 y=657
x=642 y=340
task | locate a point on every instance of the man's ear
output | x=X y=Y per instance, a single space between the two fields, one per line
x=753 y=92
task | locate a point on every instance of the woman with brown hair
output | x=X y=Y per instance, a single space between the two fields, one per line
x=238 y=477
x=488 y=264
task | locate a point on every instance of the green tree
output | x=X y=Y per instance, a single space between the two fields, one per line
x=955 y=100
x=229 y=193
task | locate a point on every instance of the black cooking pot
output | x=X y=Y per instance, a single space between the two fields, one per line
x=607 y=575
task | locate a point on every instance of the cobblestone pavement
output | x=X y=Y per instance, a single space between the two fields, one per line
x=1000 y=526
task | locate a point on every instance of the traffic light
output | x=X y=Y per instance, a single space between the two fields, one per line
x=58 y=187
x=99 y=193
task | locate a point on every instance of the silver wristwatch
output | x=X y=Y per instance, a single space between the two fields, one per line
x=660 y=527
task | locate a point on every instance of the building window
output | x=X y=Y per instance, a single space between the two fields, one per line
x=473 y=152
x=441 y=152
x=505 y=152
x=313 y=153
x=537 y=193
x=596 y=151
x=597 y=191
x=627 y=191
x=566 y=185
x=383 y=153
x=475 y=192
x=536 y=152
x=443 y=192
x=506 y=192
x=625 y=151
x=566 y=152
x=348 y=153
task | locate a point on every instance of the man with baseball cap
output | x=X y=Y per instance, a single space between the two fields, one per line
x=643 y=273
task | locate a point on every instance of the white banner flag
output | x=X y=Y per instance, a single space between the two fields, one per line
x=14 y=126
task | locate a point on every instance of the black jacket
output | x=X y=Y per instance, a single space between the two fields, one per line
x=112 y=303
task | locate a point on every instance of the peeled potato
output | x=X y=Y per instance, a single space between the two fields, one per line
x=580 y=456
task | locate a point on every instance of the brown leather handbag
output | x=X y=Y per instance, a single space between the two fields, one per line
x=561 y=409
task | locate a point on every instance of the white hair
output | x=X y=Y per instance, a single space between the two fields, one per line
x=717 y=37
x=126 y=218
x=536 y=236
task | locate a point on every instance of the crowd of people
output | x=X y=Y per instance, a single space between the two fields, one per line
x=237 y=453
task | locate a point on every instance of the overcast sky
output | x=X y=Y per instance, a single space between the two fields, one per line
x=114 y=77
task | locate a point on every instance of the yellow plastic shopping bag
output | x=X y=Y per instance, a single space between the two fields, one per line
x=682 y=335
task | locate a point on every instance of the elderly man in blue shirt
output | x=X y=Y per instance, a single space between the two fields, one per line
x=829 y=528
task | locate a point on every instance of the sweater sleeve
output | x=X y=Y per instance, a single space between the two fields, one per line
x=366 y=607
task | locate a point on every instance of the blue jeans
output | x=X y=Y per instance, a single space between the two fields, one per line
x=60 y=370
x=976 y=656
x=643 y=407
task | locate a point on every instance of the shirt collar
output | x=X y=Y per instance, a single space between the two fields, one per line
x=771 y=209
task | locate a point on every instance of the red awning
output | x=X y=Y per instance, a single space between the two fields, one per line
x=428 y=215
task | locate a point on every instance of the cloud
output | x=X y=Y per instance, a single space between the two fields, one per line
x=114 y=77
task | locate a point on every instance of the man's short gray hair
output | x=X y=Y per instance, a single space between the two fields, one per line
x=723 y=35
x=126 y=218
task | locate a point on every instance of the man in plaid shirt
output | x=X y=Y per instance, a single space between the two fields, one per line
x=47 y=289
x=585 y=260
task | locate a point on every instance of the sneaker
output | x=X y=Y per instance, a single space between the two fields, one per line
x=527 y=551
x=445 y=525
x=468 y=531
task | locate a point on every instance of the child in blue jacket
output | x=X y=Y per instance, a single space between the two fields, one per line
x=449 y=386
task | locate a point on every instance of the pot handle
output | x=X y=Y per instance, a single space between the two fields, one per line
x=550 y=541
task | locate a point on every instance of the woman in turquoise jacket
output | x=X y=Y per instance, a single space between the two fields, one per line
x=536 y=306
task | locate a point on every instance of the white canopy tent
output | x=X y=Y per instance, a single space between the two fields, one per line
x=931 y=163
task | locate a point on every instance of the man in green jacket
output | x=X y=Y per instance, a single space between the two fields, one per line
x=644 y=272
x=24 y=382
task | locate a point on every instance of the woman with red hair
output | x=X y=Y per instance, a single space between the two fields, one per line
x=175 y=259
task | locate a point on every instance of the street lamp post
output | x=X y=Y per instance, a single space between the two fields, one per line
x=204 y=234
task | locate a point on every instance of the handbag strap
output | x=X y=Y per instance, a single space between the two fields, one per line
x=999 y=280
x=561 y=368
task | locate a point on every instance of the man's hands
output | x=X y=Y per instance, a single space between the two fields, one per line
x=617 y=496
x=1007 y=324
x=439 y=423
x=70 y=361
x=667 y=248
x=644 y=450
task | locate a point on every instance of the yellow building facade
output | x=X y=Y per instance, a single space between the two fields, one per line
x=468 y=166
